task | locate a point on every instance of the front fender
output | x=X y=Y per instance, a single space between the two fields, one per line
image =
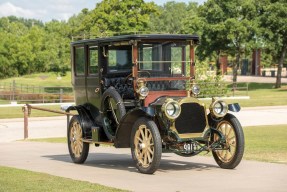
x=123 y=134
x=234 y=107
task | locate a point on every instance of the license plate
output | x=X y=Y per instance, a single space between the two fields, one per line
x=188 y=147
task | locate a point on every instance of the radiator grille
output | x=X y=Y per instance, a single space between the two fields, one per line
x=192 y=119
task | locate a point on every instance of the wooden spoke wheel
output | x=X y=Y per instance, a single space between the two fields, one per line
x=232 y=152
x=77 y=148
x=146 y=145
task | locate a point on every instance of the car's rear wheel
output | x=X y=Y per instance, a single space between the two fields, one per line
x=77 y=148
x=146 y=146
x=232 y=152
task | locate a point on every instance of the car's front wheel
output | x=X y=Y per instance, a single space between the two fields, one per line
x=231 y=154
x=146 y=146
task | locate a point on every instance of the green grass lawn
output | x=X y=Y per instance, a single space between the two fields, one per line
x=266 y=143
x=40 y=79
x=14 y=180
x=49 y=140
x=263 y=94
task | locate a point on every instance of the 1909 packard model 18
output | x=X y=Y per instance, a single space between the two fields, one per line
x=140 y=92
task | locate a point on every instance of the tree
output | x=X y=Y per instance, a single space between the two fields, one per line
x=75 y=24
x=28 y=47
x=274 y=22
x=171 y=17
x=227 y=27
x=118 y=16
x=57 y=49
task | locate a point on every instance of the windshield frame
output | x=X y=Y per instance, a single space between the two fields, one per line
x=190 y=56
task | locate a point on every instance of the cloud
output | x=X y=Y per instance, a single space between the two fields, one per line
x=8 y=9
x=47 y=10
x=51 y=10
x=44 y=10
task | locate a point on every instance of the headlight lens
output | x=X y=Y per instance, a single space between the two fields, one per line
x=195 y=89
x=143 y=91
x=171 y=109
x=219 y=108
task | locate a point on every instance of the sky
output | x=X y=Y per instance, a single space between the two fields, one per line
x=46 y=10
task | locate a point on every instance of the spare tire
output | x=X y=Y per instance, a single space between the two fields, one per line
x=113 y=109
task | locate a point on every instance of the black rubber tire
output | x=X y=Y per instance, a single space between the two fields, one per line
x=108 y=121
x=157 y=145
x=85 y=150
x=239 y=149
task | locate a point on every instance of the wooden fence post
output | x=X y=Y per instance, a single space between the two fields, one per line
x=26 y=114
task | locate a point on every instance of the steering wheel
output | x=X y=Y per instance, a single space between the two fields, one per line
x=146 y=72
x=129 y=79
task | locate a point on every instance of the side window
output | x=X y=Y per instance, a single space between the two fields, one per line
x=112 y=59
x=120 y=59
x=176 y=60
x=79 y=61
x=93 y=60
x=145 y=55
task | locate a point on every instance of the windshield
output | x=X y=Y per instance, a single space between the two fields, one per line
x=161 y=60
x=167 y=59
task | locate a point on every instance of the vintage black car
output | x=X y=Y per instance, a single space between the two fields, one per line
x=140 y=92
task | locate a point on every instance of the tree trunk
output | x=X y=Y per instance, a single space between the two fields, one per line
x=218 y=70
x=235 y=66
x=280 y=66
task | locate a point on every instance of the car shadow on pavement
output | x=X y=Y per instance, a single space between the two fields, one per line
x=125 y=162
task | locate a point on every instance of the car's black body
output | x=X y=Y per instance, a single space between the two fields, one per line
x=140 y=91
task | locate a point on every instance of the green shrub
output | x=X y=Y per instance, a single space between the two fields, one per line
x=211 y=84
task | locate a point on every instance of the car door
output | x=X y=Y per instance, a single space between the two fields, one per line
x=92 y=78
x=79 y=73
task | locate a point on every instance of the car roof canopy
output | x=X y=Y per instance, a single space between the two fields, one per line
x=160 y=37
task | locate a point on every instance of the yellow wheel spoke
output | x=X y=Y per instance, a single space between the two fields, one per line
x=225 y=129
x=151 y=152
x=139 y=139
x=140 y=155
x=225 y=155
x=142 y=133
x=149 y=156
x=145 y=158
x=150 y=137
x=229 y=154
x=230 y=131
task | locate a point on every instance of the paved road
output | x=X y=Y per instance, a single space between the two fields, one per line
x=39 y=127
x=257 y=79
x=115 y=168
x=43 y=127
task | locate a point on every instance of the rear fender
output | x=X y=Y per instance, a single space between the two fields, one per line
x=88 y=117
